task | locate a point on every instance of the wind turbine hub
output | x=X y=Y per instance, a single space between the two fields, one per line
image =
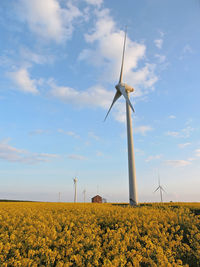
x=127 y=87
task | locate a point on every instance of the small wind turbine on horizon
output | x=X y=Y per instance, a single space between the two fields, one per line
x=124 y=89
x=161 y=189
x=75 y=189
x=84 y=195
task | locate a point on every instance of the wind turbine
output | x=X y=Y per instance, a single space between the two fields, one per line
x=84 y=194
x=75 y=189
x=160 y=188
x=124 y=89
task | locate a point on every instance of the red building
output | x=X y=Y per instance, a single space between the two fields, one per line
x=97 y=199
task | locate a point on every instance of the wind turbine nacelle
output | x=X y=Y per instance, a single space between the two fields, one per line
x=128 y=88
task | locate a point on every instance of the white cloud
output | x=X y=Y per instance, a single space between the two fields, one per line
x=23 y=81
x=187 y=49
x=94 y=2
x=95 y=96
x=162 y=34
x=99 y=154
x=37 y=58
x=197 y=151
x=37 y=132
x=172 y=117
x=178 y=163
x=161 y=58
x=191 y=159
x=94 y=136
x=143 y=129
x=159 y=43
x=186 y=132
x=184 y=145
x=150 y=158
x=183 y=133
x=108 y=41
x=174 y=134
x=70 y=133
x=76 y=157
x=48 y=19
x=13 y=154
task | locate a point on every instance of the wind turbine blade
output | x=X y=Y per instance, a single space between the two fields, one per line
x=162 y=189
x=122 y=66
x=124 y=93
x=117 y=95
x=156 y=189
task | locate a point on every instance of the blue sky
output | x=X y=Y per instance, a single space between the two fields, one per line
x=59 y=63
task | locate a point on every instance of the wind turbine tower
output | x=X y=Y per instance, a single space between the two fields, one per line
x=84 y=194
x=75 y=189
x=160 y=188
x=125 y=89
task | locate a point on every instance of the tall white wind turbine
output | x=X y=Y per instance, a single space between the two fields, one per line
x=75 y=189
x=124 y=89
x=160 y=188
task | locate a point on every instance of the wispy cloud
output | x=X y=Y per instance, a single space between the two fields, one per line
x=13 y=154
x=99 y=154
x=76 y=157
x=183 y=145
x=186 y=132
x=158 y=43
x=172 y=117
x=48 y=19
x=174 y=134
x=143 y=129
x=187 y=49
x=183 y=133
x=178 y=163
x=33 y=57
x=161 y=58
x=94 y=2
x=70 y=133
x=38 y=132
x=94 y=136
x=155 y=157
x=22 y=79
x=197 y=152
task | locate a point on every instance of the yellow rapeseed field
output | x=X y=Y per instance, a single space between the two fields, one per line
x=62 y=234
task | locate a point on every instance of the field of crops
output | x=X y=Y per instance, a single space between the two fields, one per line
x=61 y=234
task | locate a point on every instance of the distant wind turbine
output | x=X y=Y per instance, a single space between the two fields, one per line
x=160 y=188
x=84 y=194
x=124 y=89
x=75 y=189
